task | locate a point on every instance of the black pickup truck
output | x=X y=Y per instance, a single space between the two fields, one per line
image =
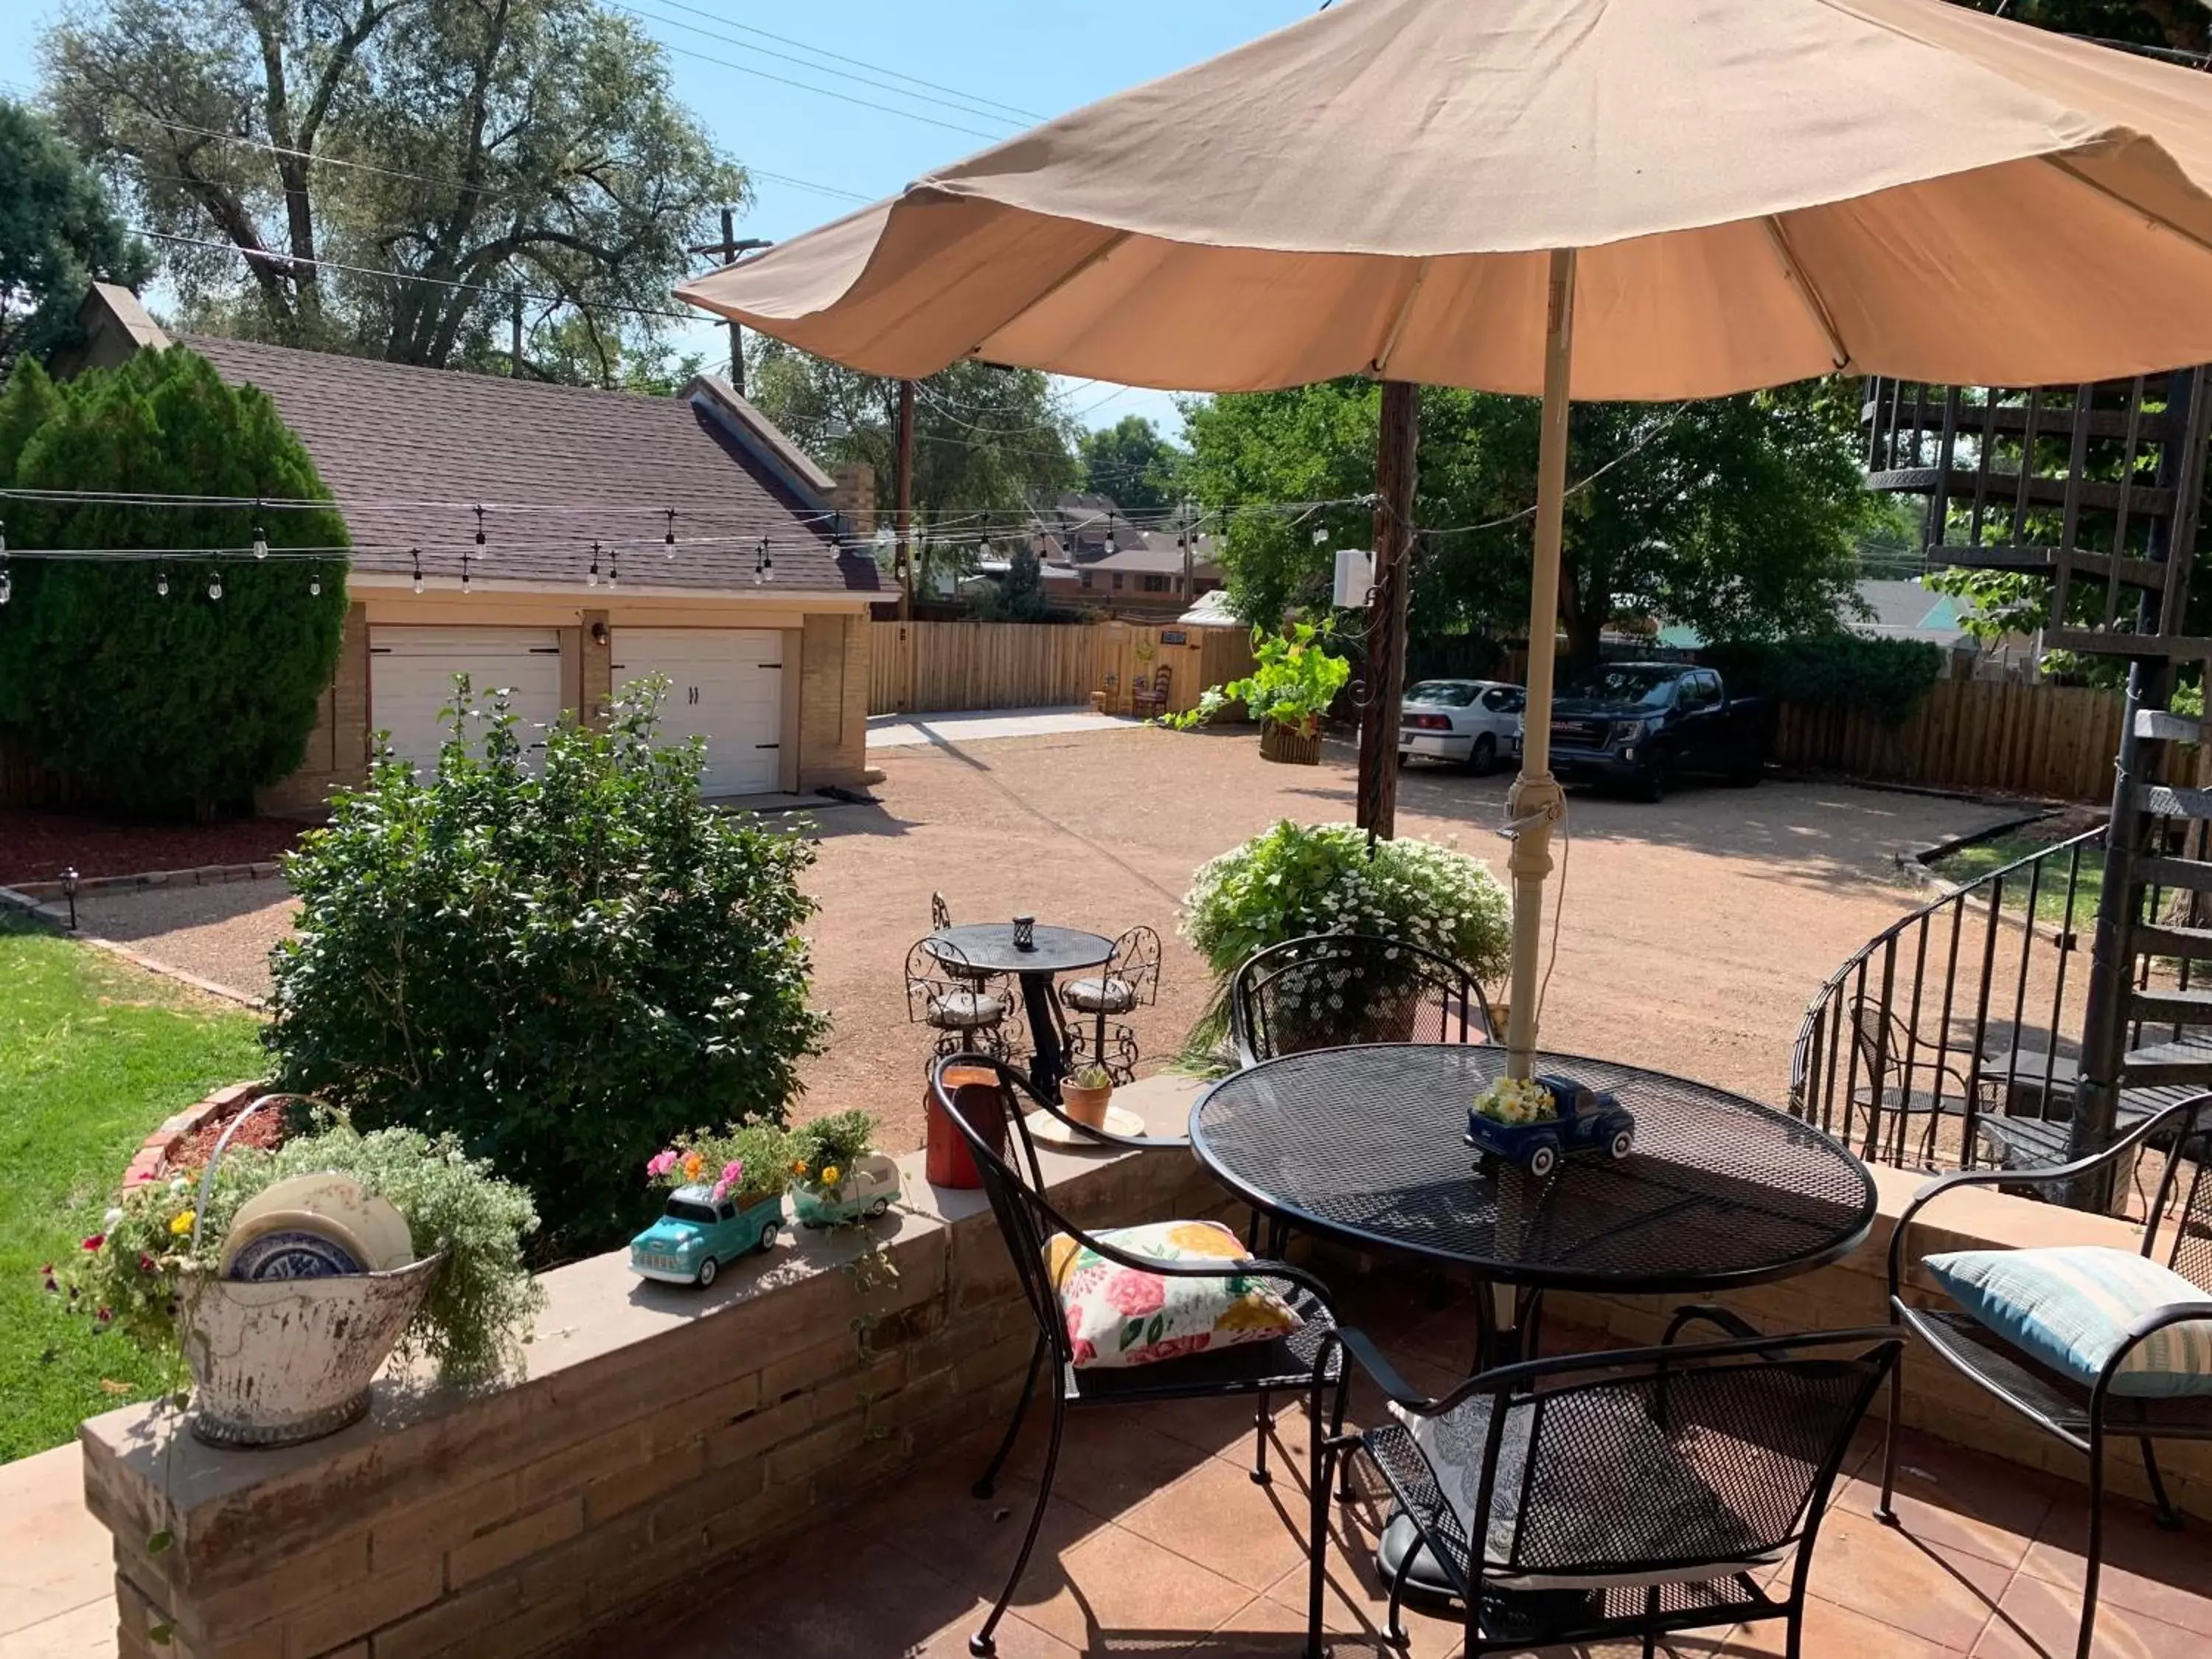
x=1644 y=724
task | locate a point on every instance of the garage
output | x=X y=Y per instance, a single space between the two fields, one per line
x=726 y=685
x=411 y=678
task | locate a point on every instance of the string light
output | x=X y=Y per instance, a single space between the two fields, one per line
x=260 y=535
x=161 y=582
x=315 y=583
x=592 y=576
x=480 y=540
x=214 y=583
x=464 y=570
x=614 y=564
x=670 y=539
x=6 y=582
x=419 y=568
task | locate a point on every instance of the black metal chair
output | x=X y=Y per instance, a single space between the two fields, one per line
x=1014 y=1182
x=1625 y=1494
x=1129 y=980
x=965 y=1006
x=941 y=918
x=1889 y=1061
x=1331 y=990
x=2084 y=1417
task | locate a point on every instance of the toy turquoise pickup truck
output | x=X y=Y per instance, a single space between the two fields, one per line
x=697 y=1232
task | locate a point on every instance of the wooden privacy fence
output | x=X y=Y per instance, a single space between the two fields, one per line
x=2055 y=741
x=970 y=665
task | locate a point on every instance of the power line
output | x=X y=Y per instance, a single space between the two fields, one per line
x=824 y=92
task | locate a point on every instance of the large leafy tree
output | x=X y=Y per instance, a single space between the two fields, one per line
x=1131 y=465
x=476 y=146
x=1738 y=514
x=154 y=699
x=57 y=233
x=988 y=441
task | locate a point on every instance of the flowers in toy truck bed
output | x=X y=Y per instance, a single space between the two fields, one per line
x=728 y=1178
x=1516 y=1101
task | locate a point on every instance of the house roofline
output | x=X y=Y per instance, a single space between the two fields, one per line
x=742 y=418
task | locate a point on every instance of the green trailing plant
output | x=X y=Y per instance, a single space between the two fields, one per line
x=1295 y=881
x=1294 y=679
x=146 y=697
x=149 y=1258
x=823 y=1150
x=1885 y=678
x=564 y=966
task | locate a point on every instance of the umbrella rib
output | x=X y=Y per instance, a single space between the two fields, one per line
x=1380 y=364
x=2062 y=165
x=1052 y=288
x=1805 y=291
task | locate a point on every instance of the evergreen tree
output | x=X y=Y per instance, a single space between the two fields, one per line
x=153 y=699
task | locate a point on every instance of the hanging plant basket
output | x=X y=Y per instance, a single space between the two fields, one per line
x=1289 y=746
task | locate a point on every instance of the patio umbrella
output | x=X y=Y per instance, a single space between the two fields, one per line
x=1586 y=198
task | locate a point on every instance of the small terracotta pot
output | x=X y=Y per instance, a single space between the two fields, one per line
x=1086 y=1106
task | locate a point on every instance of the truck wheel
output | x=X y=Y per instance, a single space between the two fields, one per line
x=1624 y=1141
x=1483 y=756
x=767 y=1235
x=881 y=1206
x=1542 y=1162
x=1405 y=756
x=1746 y=775
x=1653 y=786
x=708 y=1269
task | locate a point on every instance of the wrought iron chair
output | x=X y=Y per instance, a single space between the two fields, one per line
x=1897 y=1077
x=1623 y=1494
x=941 y=918
x=1129 y=980
x=967 y=1008
x=1334 y=989
x=1014 y=1182
x=1151 y=699
x=2083 y=1416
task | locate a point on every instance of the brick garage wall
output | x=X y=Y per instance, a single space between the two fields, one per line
x=833 y=701
x=338 y=749
x=1855 y=1291
x=661 y=1431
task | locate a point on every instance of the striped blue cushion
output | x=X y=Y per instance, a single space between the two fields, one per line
x=2072 y=1306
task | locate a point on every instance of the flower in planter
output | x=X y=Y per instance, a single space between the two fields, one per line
x=1516 y=1101
x=660 y=1164
x=731 y=1172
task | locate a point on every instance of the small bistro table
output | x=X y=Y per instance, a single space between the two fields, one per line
x=1367 y=1146
x=988 y=947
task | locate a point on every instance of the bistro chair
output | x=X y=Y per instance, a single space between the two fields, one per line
x=2085 y=1342
x=1897 y=1076
x=1331 y=990
x=1044 y=1242
x=965 y=1007
x=941 y=918
x=1152 y=698
x=1622 y=1494
x=1129 y=980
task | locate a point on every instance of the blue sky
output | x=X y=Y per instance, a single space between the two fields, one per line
x=988 y=58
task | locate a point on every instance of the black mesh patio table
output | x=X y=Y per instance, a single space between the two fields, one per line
x=1366 y=1144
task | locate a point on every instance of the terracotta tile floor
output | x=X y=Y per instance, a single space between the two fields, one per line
x=1158 y=1543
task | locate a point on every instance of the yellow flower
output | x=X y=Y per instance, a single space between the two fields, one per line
x=181 y=1222
x=829 y=1174
x=1205 y=1239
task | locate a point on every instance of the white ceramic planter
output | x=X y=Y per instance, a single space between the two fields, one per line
x=283 y=1361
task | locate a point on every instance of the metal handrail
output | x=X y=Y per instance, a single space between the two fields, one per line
x=1891 y=985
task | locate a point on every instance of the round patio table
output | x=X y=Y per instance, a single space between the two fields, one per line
x=1367 y=1146
x=988 y=947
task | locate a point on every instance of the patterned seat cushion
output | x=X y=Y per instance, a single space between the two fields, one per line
x=966 y=1010
x=2072 y=1306
x=1120 y=1315
x=1100 y=996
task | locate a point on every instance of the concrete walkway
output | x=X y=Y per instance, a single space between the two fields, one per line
x=904 y=730
x=57 y=1584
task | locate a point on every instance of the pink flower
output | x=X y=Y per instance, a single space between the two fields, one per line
x=732 y=1170
x=1083 y=1350
x=660 y=1164
x=1174 y=1347
x=1134 y=1294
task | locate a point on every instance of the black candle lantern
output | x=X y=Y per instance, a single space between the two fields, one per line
x=1026 y=933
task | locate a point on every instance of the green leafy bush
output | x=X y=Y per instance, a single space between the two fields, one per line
x=1885 y=678
x=150 y=699
x=1294 y=679
x=565 y=968
x=134 y=1273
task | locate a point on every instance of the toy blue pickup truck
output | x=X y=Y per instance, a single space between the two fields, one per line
x=697 y=1232
x=1583 y=1121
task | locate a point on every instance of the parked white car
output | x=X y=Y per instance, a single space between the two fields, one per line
x=1471 y=723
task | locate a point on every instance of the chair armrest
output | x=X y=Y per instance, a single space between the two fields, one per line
x=1713 y=1314
x=1368 y=1357
x=2057 y=1175
x=2173 y=1313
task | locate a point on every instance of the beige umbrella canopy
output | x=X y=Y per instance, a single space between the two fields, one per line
x=1712 y=195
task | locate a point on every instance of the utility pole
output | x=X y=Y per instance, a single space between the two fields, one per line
x=514 y=345
x=1377 y=792
x=904 y=483
x=1188 y=540
x=727 y=250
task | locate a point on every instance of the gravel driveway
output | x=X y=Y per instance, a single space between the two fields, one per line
x=1694 y=931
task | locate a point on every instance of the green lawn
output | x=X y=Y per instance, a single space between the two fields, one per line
x=94 y=1053
x=1994 y=853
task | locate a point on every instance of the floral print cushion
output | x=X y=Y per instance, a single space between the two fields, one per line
x=1119 y=1315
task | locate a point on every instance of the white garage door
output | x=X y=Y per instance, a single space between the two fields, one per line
x=411 y=678
x=725 y=685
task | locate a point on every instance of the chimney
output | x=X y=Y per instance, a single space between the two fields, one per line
x=855 y=497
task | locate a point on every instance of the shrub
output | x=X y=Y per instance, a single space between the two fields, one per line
x=1887 y=678
x=1293 y=680
x=133 y=1272
x=565 y=968
x=150 y=699
x=1292 y=881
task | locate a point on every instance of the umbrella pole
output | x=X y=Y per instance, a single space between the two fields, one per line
x=1536 y=803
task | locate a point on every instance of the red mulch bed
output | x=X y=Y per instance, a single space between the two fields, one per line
x=264 y=1129
x=37 y=845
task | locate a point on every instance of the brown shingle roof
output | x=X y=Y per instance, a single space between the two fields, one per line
x=567 y=464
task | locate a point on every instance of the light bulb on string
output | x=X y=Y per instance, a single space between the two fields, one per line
x=464 y=570
x=669 y=539
x=614 y=565
x=315 y=583
x=417 y=553
x=592 y=576
x=215 y=585
x=480 y=540
x=768 y=560
x=161 y=582
x=260 y=535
